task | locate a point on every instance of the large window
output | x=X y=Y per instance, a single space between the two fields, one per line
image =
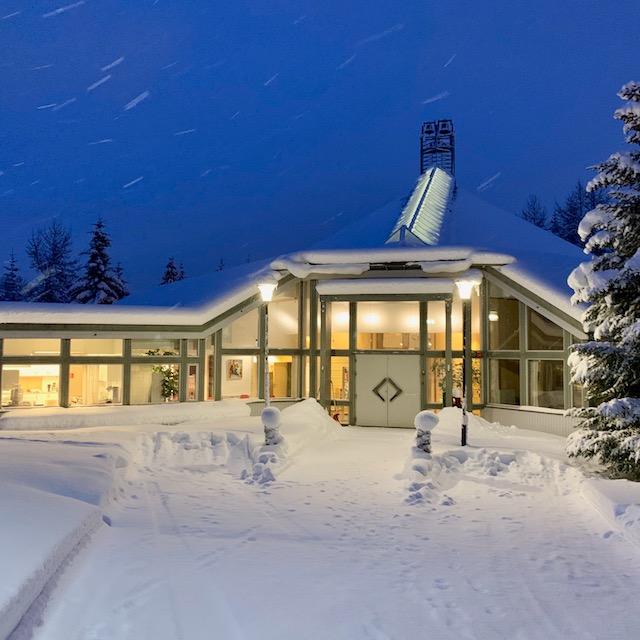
x=542 y=334
x=242 y=333
x=30 y=347
x=155 y=347
x=546 y=383
x=504 y=381
x=339 y=325
x=504 y=320
x=240 y=376
x=30 y=385
x=154 y=383
x=283 y=323
x=91 y=384
x=96 y=347
x=388 y=325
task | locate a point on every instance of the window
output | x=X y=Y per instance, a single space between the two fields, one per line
x=542 y=334
x=155 y=347
x=436 y=325
x=91 y=384
x=240 y=375
x=96 y=347
x=388 y=325
x=546 y=383
x=30 y=385
x=504 y=320
x=283 y=323
x=242 y=333
x=504 y=381
x=340 y=378
x=339 y=325
x=154 y=383
x=31 y=347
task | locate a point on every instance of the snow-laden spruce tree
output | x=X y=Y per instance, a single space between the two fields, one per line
x=11 y=282
x=50 y=253
x=608 y=366
x=172 y=273
x=534 y=212
x=99 y=284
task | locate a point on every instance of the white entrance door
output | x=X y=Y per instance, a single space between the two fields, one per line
x=387 y=389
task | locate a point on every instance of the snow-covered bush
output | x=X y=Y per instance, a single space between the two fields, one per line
x=608 y=366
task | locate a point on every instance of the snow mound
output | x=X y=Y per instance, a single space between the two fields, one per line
x=83 y=417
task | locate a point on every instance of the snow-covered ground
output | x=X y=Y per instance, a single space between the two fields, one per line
x=174 y=522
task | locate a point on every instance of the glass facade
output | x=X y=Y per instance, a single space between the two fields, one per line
x=521 y=352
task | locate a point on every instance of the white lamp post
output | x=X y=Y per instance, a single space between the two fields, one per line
x=266 y=292
x=465 y=288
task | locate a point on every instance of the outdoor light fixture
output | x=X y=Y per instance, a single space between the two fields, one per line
x=465 y=286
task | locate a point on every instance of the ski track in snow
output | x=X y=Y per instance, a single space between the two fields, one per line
x=495 y=550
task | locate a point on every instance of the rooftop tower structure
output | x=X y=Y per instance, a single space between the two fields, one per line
x=437 y=148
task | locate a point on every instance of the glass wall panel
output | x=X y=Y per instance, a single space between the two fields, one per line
x=150 y=347
x=339 y=325
x=340 y=378
x=240 y=376
x=31 y=347
x=546 y=383
x=96 y=347
x=192 y=382
x=577 y=395
x=154 y=383
x=504 y=381
x=388 y=325
x=283 y=323
x=242 y=333
x=91 y=384
x=30 y=385
x=542 y=334
x=283 y=373
x=504 y=320
x=436 y=325
x=209 y=387
x=476 y=321
x=436 y=380
x=193 y=348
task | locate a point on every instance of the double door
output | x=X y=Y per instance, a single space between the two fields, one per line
x=387 y=390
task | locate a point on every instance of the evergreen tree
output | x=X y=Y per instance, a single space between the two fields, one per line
x=99 y=283
x=607 y=366
x=11 y=283
x=172 y=273
x=534 y=212
x=120 y=275
x=567 y=217
x=50 y=253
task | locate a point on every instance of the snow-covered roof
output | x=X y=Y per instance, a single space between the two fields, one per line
x=422 y=216
x=446 y=234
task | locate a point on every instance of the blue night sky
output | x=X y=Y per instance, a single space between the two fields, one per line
x=238 y=130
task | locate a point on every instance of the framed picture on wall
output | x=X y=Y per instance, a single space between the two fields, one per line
x=234 y=369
